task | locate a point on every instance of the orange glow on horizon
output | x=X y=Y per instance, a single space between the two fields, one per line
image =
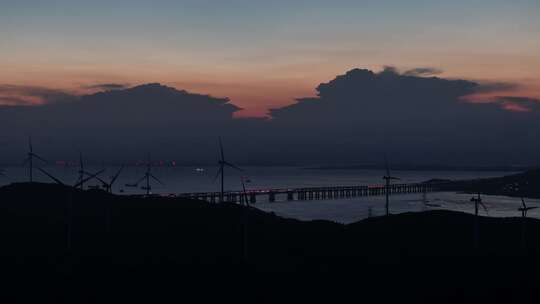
x=258 y=89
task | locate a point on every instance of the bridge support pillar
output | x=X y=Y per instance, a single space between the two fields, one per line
x=290 y=196
x=271 y=197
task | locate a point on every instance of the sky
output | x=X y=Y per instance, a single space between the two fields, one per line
x=263 y=54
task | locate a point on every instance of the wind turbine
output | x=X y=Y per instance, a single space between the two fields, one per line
x=477 y=201
x=83 y=173
x=244 y=221
x=246 y=201
x=524 y=208
x=70 y=199
x=108 y=185
x=388 y=178
x=77 y=184
x=30 y=160
x=222 y=164
x=147 y=176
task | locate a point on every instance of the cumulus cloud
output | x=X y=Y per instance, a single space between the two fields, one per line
x=118 y=125
x=490 y=87
x=354 y=118
x=364 y=94
x=363 y=112
x=389 y=69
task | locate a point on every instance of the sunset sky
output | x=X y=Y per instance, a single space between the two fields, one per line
x=263 y=54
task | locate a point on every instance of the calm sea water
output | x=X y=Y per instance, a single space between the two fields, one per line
x=188 y=179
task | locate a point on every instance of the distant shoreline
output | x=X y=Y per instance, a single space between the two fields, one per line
x=426 y=168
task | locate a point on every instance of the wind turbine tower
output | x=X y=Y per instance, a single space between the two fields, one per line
x=30 y=160
x=222 y=164
x=388 y=178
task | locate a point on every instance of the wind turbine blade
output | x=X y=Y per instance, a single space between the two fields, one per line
x=221 y=150
x=140 y=180
x=81 y=164
x=88 y=178
x=50 y=176
x=116 y=175
x=85 y=172
x=100 y=180
x=484 y=207
x=386 y=165
x=90 y=174
x=217 y=174
x=233 y=166
x=246 y=201
x=39 y=157
x=156 y=179
x=30 y=144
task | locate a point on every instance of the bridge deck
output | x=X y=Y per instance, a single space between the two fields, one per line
x=312 y=193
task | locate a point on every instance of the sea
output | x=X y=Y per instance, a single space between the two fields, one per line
x=177 y=180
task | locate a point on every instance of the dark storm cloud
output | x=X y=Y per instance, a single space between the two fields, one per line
x=423 y=119
x=354 y=118
x=422 y=72
x=366 y=95
x=123 y=124
x=107 y=86
x=489 y=87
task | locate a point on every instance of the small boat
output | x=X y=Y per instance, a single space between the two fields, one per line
x=199 y=169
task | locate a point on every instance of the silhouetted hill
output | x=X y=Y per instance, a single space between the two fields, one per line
x=169 y=248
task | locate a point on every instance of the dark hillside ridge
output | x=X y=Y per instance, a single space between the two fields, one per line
x=119 y=242
x=526 y=184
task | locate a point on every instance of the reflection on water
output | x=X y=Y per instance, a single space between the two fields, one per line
x=202 y=179
x=351 y=210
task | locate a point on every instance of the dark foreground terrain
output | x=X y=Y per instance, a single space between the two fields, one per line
x=126 y=249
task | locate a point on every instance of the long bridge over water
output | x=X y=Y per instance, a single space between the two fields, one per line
x=311 y=193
